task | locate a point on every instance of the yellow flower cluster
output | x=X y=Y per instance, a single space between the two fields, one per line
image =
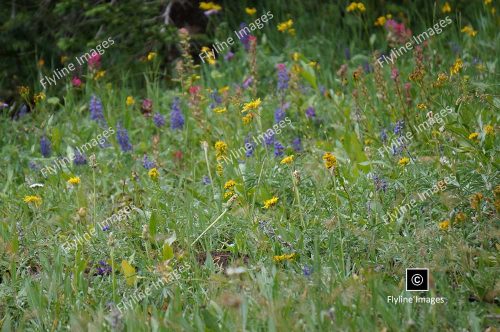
x=444 y=225
x=229 y=187
x=474 y=136
x=475 y=200
x=380 y=21
x=153 y=173
x=287 y=26
x=74 y=180
x=285 y=257
x=287 y=160
x=247 y=118
x=446 y=8
x=210 y=55
x=39 y=97
x=33 y=199
x=469 y=30
x=422 y=106
x=151 y=56
x=130 y=101
x=404 y=161
x=254 y=104
x=457 y=66
x=442 y=78
x=489 y=130
x=220 y=110
x=330 y=160
x=210 y=6
x=250 y=11
x=220 y=150
x=271 y=202
x=356 y=6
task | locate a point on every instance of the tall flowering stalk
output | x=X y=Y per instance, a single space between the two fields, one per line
x=96 y=110
x=123 y=138
x=176 y=117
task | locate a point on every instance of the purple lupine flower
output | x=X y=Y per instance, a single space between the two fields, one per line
x=45 y=146
x=283 y=77
x=310 y=112
x=216 y=98
x=247 y=82
x=148 y=164
x=176 y=117
x=398 y=127
x=103 y=268
x=383 y=136
x=22 y=112
x=79 y=158
x=3 y=105
x=123 y=139
x=245 y=37
x=206 y=180
x=278 y=149
x=307 y=270
x=249 y=147
x=269 y=139
x=96 y=113
x=297 y=144
x=280 y=114
x=229 y=56
x=380 y=184
x=159 y=120
x=106 y=228
x=347 y=53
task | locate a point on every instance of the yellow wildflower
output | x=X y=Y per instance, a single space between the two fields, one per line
x=474 y=136
x=210 y=55
x=469 y=30
x=151 y=56
x=487 y=2
x=74 y=180
x=228 y=194
x=99 y=74
x=229 y=184
x=457 y=66
x=130 y=101
x=33 y=199
x=286 y=27
x=220 y=110
x=330 y=160
x=475 y=200
x=24 y=91
x=210 y=6
x=220 y=149
x=446 y=8
x=247 y=118
x=270 y=202
x=219 y=169
x=153 y=173
x=404 y=161
x=224 y=89
x=444 y=225
x=460 y=217
x=254 y=104
x=39 y=96
x=64 y=58
x=287 y=160
x=41 y=62
x=380 y=22
x=250 y=11
x=295 y=56
x=356 y=6
x=489 y=130
x=422 y=106
x=285 y=257
x=368 y=141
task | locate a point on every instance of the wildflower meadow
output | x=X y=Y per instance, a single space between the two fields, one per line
x=249 y=165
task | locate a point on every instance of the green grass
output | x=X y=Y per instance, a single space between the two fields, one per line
x=331 y=220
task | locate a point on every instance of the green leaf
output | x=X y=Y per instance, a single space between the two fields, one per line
x=167 y=252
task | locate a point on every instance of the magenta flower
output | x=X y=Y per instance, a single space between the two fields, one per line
x=76 y=82
x=95 y=61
